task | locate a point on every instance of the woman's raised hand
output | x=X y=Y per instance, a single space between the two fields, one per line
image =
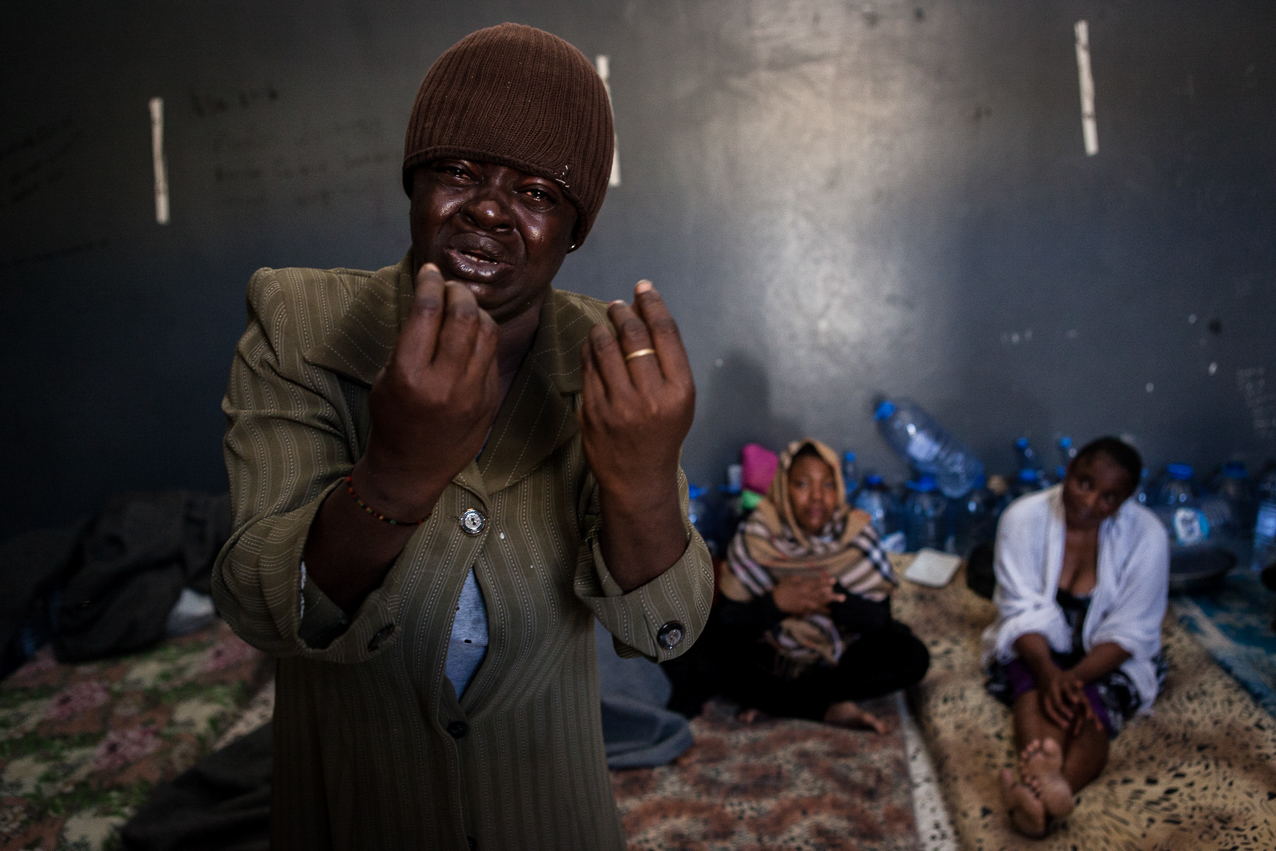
x=431 y=406
x=435 y=399
x=639 y=400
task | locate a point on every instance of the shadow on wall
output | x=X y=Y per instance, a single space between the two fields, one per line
x=733 y=407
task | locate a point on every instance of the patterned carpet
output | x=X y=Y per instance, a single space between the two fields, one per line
x=1200 y=773
x=774 y=784
x=81 y=746
x=1234 y=623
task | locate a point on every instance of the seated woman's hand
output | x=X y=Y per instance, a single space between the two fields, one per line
x=1082 y=711
x=1063 y=699
x=806 y=595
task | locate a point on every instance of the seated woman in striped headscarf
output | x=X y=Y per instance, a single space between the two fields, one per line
x=804 y=621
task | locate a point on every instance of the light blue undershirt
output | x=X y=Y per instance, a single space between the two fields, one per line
x=469 y=635
x=469 y=632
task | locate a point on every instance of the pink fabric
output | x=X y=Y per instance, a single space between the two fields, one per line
x=759 y=465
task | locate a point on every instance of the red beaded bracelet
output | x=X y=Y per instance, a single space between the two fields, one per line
x=378 y=514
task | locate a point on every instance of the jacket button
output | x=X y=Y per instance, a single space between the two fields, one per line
x=458 y=729
x=381 y=635
x=472 y=521
x=670 y=635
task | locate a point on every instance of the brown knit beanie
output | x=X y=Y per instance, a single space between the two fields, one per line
x=519 y=97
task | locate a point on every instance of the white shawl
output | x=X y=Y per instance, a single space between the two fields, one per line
x=1129 y=598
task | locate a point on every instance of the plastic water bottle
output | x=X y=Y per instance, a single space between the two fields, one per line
x=698 y=514
x=920 y=440
x=1265 y=524
x=1179 y=509
x=1028 y=481
x=1067 y=451
x=976 y=517
x=925 y=510
x=1141 y=490
x=1026 y=455
x=1233 y=487
x=731 y=512
x=735 y=479
x=850 y=476
x=877 y=501
x=1177 y=487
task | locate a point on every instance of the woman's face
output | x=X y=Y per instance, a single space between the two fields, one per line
x=500 y=231
x=1093 y=490
x=812 y=493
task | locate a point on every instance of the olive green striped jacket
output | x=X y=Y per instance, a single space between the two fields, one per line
x=372 y=748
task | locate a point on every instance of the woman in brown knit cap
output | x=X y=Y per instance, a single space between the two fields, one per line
x=444 y=471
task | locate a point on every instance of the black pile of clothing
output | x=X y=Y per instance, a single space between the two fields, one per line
x=110 y=584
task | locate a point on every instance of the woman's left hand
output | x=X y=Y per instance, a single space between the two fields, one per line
x=639 y=398
x=638 y=403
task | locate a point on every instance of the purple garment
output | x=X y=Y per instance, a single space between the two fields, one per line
x=1022 y=680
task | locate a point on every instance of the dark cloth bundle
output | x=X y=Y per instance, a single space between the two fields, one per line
x=222 y=804
x=105 y=586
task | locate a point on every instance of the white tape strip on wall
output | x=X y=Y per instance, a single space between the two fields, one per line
x=157 y=157
x=1089 y=129
x=604 y=71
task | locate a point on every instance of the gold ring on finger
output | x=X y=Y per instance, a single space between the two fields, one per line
x=639 y=353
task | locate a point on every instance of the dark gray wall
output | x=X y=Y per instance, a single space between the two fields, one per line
x=838 y=200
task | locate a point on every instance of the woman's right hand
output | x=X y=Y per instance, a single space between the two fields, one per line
x=431 y=407
x=432 y=404
x=806 y=595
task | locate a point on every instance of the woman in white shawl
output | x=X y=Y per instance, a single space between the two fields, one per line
x=1082 y=583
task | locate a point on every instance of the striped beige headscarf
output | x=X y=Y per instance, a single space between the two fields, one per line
x=771 y=545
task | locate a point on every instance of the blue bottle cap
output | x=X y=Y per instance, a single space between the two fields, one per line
x=1028 y=476
x=848 y=456
x=872 y=480
x=695 y=491
x=1234 y=470
x=924 y=484
x=1179 y=472
x=1021 y=443
x=1065 y=442
x=884 y=410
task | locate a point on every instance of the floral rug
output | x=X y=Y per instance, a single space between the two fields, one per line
x=773 y=784
x=81 y=746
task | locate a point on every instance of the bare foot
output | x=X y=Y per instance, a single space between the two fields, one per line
x=847 y=714
x=1042 y=762
x=1027 y=813
x=748 y=715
